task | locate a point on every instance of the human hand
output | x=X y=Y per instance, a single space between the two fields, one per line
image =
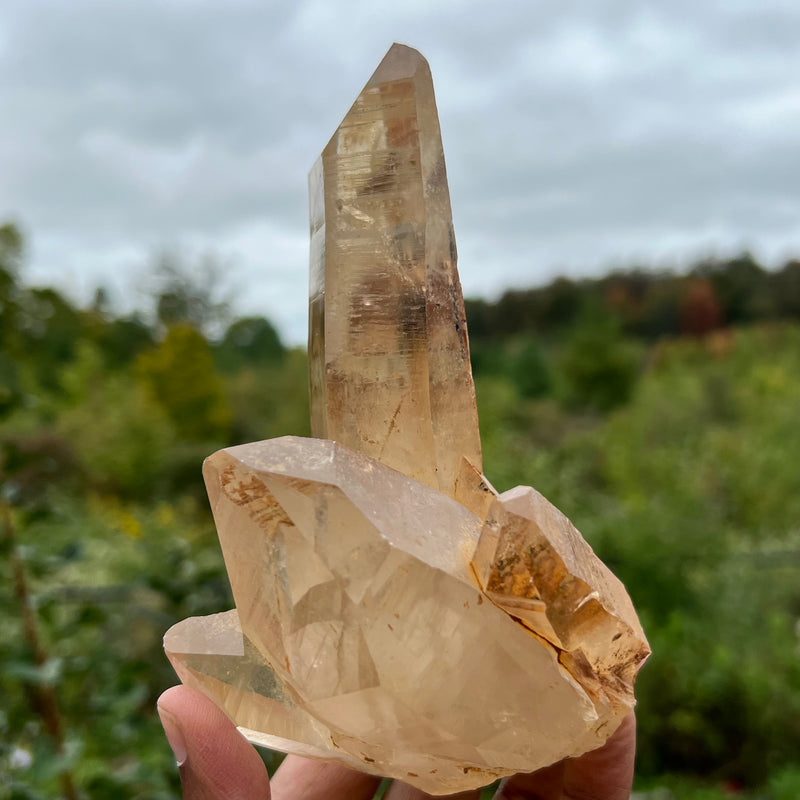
x=217 y=763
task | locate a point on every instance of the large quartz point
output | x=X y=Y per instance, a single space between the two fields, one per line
x=390 y=379
x=393 y=612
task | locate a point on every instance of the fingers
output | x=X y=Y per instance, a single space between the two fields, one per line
x=606 y=773
x=303 y=779
x=402 y=791
x=216 y=762
x=602 y=774
x=544 y=784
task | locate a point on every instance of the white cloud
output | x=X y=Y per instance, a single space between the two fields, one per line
x=576 y=136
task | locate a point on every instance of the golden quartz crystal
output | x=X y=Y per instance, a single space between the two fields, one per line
x=393 y=612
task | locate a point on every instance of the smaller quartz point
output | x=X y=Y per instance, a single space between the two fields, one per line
x=394 y=613
x=532 y=562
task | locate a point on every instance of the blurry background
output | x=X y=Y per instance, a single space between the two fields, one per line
x=624 y=183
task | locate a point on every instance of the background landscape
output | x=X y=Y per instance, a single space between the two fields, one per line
x=658 y=410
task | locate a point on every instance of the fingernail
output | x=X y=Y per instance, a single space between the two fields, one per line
x=174 y=734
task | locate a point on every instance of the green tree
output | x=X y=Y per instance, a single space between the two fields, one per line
x=786 y=289
x=270 y=400
x=741 y=286
x=250 y=341
x=11 y=250
x=122 y=339
x=190 y=293
x=180 y=375
x=50 y=326
x=11 y=349
x=122 y=437
x=528 y=368
x=597 y=368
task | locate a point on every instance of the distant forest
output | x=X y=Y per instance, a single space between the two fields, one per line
x=580 y=341
x=649 y=304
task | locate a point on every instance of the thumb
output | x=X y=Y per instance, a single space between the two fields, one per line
x=215 y=761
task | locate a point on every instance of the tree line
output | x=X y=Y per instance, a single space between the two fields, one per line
x=649 y=304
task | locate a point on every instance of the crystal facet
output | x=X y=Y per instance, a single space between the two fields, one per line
x=393 y=612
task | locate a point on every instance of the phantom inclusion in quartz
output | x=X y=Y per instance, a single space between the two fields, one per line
x=393 y=612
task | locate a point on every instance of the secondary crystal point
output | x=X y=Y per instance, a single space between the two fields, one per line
x=393 y=612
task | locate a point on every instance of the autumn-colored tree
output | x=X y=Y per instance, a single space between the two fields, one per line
x=700 y=312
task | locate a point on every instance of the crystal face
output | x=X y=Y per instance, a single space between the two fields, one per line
x=393 y=612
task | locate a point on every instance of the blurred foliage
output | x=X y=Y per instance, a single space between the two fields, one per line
x=658 y=411
x=648 y=304
x=190 y=293
x=180 y=376
x=597 y=368
x=250 y=341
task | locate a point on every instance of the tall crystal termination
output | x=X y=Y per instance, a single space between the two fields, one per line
x=393 y=612
x=391 y=380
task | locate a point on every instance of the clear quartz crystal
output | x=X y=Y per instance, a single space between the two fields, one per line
x=393 y=612
x=390 y=370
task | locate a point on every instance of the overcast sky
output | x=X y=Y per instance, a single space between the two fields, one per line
x=578 y=135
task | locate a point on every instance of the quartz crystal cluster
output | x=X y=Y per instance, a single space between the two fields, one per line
x=393 y=612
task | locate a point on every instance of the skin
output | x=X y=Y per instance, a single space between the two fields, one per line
x=217 y=763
